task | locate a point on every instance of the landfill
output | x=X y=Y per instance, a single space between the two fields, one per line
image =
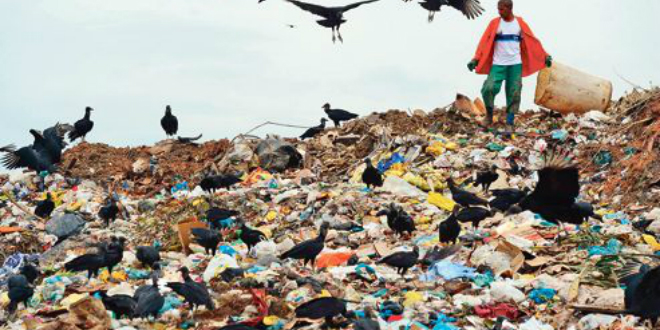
x=512 y=271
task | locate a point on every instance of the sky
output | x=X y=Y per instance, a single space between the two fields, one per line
x=226 y=66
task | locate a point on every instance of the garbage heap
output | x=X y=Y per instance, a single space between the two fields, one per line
x=511 y=272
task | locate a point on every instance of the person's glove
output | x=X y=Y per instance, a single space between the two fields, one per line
x=548 y=61
x=472 y=65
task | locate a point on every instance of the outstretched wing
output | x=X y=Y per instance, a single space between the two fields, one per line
x=559 y=181
x=470 y=8
x=312 y=8
x=355 y=5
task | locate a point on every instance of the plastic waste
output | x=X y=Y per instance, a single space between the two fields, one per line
x=505 y=292
x=447 y=270
x=65 y=225
x=218 y=264
x=542 y=295
x=613 y=247
x=441 y=201
x=401 y=187
x=385 y=164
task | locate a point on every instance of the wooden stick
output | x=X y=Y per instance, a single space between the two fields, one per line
x=22 y=208
x=597 y=309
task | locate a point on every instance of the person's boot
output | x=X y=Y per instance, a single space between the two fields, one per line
x=488 y=122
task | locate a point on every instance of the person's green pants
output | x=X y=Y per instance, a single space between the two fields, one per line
x=512 y=74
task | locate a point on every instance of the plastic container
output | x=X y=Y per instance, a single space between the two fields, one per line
x=568 y=90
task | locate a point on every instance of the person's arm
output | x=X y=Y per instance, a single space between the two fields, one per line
x=478 y=55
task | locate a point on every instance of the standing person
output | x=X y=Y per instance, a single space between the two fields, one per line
x=508 y=51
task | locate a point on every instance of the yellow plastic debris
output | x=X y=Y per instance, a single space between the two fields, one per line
x=75 y=206
x=436 y=149
x=397 y=169
x=271 y=216
x=72 y=298
x=411 y=298
x=271 y=320
x=117 y=276
x=441 y=201
x=650 y=240
x=324 y=293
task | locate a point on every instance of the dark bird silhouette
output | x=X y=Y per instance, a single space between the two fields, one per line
x=215 y=182
x=470 y=8
x=45 y=207
x=371 y=176
x=514 y=167
x=338 y=115
x=333 y=17
x=155 y=273
x=34 y=159
x=149 y=300
x=313 y=131
x=90 y=262
x=555 y=193
x=450 y=228
x=20 y=291
x=438 y=254
x=474 y=215
x=368 y=322
x=250 y=237
x=208 y=239
x=82 y=127
x=115 y=253
x=462 y=197
x=194 y=293
x=486 y=178
x=581 y=212
x=189 y=140
x=402 y=261
x=398 y=219
x=505 y=198
x=169 y=123
x=31 y=272
x=642 y=294
x=51 y=142
x=322 y=308
x=148 y=255
x=120 y=304
x=215 y=214
x=108 y=212
x=308 y=250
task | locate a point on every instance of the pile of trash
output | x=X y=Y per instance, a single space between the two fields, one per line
x=510 y=271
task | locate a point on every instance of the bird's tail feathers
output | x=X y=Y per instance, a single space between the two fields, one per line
x=558 y=158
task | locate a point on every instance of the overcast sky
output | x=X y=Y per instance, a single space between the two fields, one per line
x=228 y=65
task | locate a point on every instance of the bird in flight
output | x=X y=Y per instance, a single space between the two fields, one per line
x=470 y=8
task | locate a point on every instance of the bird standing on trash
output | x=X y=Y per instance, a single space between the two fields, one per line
x=333 y=17
x=208 y=239
x=486 y=178
x=249 y=236
x=196 y=294
x=398 y=219
x=108 y=212
x=34 y=159
x=51 y=142
x=149 y=300
x=20 y=291
x=470 y=8
x=45 y=207
x=402 y=261
x=90 y=262
x=120 y=304
x=82 y=127
x=371 y=175
x=213 y=182
x=169 y=122
x=642 y=294
x=308 y=250
x=115 y=253
x=507 y=52
x=148 y=255
x=462 y=197
x=313 y=131
x=450 y=228
x=322 y=308
x=474 y=215
x=338 y=115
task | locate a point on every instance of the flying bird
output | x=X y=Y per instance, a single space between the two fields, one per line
x=338 y=115
x=333 y=17
x=470 y=8
x=313 y=131
x=30 y=157
x=52 y=142
x=82 y=127
x=169 y=123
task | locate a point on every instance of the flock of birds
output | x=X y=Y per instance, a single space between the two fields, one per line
x=554 y=198
x=333 y=17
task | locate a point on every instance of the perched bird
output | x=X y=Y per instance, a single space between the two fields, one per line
x=464 y=198
x=148 y=255
x=486 y=178
x=169 y=123
x=371 y=176
x=214 y=182
x=28 y=157
x=333 y=17
x=215 y=214
x=194 y=293
x=438 y=254
x=474 y=215
x=368 y=322
x=108 y=212
x=31 y=272
x=398 y=219
x=90 y=262
x=322 y=308
x=149 y=300
x=208 y=239
x=450 y=228
x=250 y=237
x=20 y=291
x=313 y=131
x=505 y=198
x=514 y=167
x=402 y=261
x=155 y=273
x=45 y=207
x=338 y=115
x=51 y=142
x=308 y=250
x=82 y=127
x=115 y=253
x=642 y=292
x=120 y=304
x=470 y=8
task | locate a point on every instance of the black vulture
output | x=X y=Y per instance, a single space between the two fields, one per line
x=194 y=293
x=462 y=197
x=308 y=250
x=208 y=239
x=474 y=215
x=20 y=291
x=322 y=308
x=31 y=272
x=28 y=157
x=213 y=182
x=313 y=131
x=215 y=214
x=486 y=178
x=470 y=8
x=250 y=237
x=371 y=175
x=148 y=255
x=82 y=127
x=338 y=115
x=190 y=140
x=398 y=219
x=368 y=322
x=90 y=262
x=402 y=261
x=438 y=254
x=120 y=304
x=169 y=122
x=149 y=300
x=642 y=294
x=45 y=207
x=115 y=253
x=108 y=212
x=505 y=198
x=450 y=228
x=51 y=142
x=333 y=17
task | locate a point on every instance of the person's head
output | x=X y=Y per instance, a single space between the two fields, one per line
x=505 y=8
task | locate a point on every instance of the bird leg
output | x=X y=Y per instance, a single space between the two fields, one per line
x=333 y=35
x=339 y=35
x=431 y=16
